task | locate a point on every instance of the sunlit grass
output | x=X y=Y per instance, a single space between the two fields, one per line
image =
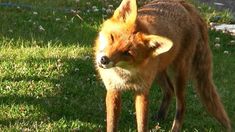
x=49 y=83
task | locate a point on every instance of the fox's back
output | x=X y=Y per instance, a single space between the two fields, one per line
x=176 y=20
x=167 y=15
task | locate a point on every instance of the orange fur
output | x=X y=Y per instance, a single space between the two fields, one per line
x=133 y=49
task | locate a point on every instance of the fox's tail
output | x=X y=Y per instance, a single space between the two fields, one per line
x=202 y=70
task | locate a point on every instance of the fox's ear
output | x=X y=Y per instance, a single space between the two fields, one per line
x=126 y=12
x=159 y=43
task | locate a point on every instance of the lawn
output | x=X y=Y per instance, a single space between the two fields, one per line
x=49 y=83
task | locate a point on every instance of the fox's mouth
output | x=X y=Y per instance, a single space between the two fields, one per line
x=105 y=66
x=121 y=64
x=106 y=63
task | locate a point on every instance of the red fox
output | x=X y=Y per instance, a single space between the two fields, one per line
x=136 y=47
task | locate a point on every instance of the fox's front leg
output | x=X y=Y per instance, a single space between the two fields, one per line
x=141 y=106
x=113 y=107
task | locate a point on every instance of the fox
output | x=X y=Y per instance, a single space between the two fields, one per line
x=164 y=41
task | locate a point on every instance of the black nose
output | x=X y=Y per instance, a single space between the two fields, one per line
x=104 y=60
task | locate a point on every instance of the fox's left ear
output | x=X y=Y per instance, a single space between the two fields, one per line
x=126 y=12
x=159 y=43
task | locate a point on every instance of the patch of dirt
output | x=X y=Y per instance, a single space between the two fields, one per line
x=221 y=4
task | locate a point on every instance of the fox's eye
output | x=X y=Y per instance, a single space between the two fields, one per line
x=112 y=38
x=126 y=53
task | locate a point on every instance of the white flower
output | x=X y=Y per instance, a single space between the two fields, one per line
x=217 y=39
x=41 y=28
x=66 y=29
x=103 y=9
x=217 y=45
x=86 y=58
x=96 y=10
x=66 y=98
x=73 y=11
x=35 y=13
x=110 y=6
x=62 y=75
x=10 y=31
x=232 y=42
x=8 y=87
x=226 y=52
x=108 y=11
x=57 y=19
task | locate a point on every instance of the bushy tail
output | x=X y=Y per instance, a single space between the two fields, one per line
x=202 y=70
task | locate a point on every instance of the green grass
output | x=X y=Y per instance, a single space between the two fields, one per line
x=49 y=83
x=212 y=15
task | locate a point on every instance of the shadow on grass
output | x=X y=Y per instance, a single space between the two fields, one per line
x=77 y=95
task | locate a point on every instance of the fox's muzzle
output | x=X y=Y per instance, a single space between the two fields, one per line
x=104 y=62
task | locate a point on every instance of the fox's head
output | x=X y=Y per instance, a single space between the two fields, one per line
x=121 y=44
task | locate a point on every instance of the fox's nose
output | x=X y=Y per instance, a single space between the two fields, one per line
x=104 y=60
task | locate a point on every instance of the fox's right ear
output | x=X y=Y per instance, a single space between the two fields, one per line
x=159 y=43
x=126 y=12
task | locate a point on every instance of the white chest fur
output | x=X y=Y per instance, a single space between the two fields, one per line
x=122 y=79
